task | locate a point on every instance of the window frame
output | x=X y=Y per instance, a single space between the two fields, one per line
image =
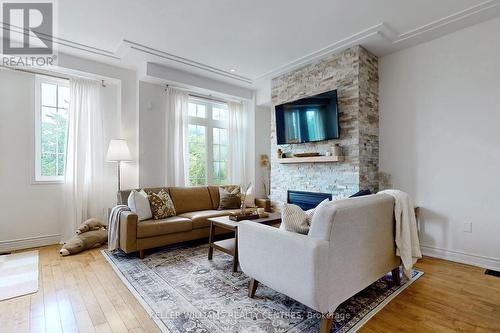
x=209 y=123
x=37 y=174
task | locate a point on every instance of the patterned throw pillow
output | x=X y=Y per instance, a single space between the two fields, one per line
x=294 y=219
x=229 y=197
x=161 y=205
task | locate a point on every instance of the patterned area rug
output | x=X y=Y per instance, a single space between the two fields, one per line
x=185 y=292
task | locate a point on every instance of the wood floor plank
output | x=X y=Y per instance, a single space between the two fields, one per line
x=21 y=313
x=84 y=322
x=103 y=328
x=68 y=321
x=449 y=297
x=37 y=310
x=51 y=307
x=140 y=313
x=113 y=318
x=6 y=316
x=100 y=272
x=82 y=293
x=91 y=304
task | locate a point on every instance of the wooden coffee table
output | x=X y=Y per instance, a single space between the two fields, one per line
x=230 y=246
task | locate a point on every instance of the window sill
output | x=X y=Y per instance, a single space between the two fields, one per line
x=47 y=182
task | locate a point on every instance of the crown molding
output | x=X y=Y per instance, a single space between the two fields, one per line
x=127 y=46
x=185 y=61
x=381 y=39
x=453 y=18
x=389 y=40
x=381 y=29
x=59 y=41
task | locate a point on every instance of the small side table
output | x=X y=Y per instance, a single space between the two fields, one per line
x=230 y=246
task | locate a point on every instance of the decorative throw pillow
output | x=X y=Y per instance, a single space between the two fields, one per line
x=361 y=193
x=229 y=197
x=322 y=221
x=161 y=205
x=138 y=203
x=294 y=219
x=250 y=198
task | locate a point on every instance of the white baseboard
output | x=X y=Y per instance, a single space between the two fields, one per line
x=29 y=242
x=461 y=257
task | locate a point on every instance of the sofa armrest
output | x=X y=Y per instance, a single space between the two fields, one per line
x=285 y=261
x=128 y=231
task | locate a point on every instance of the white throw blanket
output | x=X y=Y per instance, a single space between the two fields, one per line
x=114 y=226
x=407 y=243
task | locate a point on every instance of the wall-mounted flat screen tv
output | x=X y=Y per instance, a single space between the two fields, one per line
x=310 y=119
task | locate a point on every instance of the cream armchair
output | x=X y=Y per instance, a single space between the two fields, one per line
x=350 y=246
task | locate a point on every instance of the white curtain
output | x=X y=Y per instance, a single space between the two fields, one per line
x=83 y=187
x=237 y=173
x=176 y=163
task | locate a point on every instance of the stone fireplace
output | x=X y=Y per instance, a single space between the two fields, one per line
x=354 y=73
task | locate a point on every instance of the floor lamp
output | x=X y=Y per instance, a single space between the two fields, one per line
x=118 y=152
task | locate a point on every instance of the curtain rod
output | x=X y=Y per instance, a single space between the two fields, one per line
x=207 y=97
x=198 y=95
x=41 y=73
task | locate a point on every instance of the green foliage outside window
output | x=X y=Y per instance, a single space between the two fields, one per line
x=197 y=155
x=53 y=140
x=207 y=164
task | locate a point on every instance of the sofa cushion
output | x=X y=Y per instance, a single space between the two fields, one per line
x=169 y=225
x=190 y=199
x=138 y=203
x=122 y=196
x=161 y=205
x=294 y=219
x=230 y=197
x=214 y=195
x=200 y=218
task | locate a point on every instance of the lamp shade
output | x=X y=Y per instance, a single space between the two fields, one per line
x=118 y=151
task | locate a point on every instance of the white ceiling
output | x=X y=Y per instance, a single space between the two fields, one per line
x=259 y=38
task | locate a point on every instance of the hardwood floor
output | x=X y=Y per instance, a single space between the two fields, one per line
x=449 y=297
x=82 y=293
x=78 y=293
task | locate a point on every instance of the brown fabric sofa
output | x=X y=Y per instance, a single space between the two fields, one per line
x=194 y=205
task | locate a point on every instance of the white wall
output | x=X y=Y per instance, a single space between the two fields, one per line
x=29 y=213
x=111 y=115
x=251 y=169
x=152 y=126
x=440 y=139
x=26 y=210
x=262 y=146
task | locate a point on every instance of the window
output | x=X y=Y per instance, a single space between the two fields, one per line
x=51 y=128
x=207 y=142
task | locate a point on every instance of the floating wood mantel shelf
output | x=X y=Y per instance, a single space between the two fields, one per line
x=313 y=159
